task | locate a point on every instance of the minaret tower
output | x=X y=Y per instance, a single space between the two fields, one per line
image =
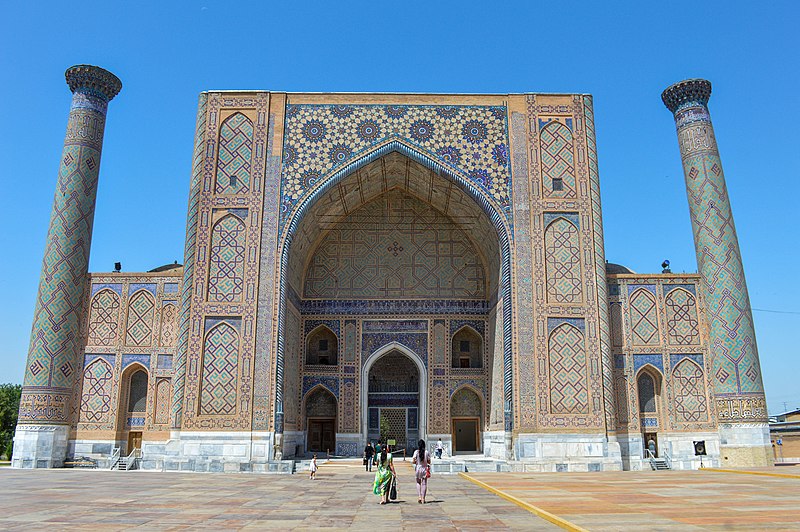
x=54 y=361
x=736 y=379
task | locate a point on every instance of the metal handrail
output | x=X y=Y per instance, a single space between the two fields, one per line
x=135 y=455
x=115 y=457
x=668 y=458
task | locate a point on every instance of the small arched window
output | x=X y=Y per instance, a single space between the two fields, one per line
x=137 y=398
x=647 y=394
x=322 y=348
x=467 y=349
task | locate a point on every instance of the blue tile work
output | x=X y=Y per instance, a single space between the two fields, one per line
x=393 y=400
x=650 y=422
x=654 y=360
x=613 y=289
x=88 y=358
x=572 y=217
x=619 y=361
x=127 y=360
x=321 y=139
x=649 y=287
x=134 y=422
x=391 y=307
x=543 y=122
x=369 y=326
x=333 y=325
x=135 y=287
x=116 y=287
x=688 y=287
x=164 y=361
x=329 y=382
x=348 y=448
x=478 y=325
x=373 y=418
x=236 y=323
x=674 y=359
x=552 y=323
x=412 y=418
x=455 y=384
x=170 y=288
x=416 y=342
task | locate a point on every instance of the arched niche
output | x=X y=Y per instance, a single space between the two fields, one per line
x=322 y=347
x=320 y=411
x=466 y=349
x=466 y=415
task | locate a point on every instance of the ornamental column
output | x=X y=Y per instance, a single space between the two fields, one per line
x=54 y=361
x=736 y=379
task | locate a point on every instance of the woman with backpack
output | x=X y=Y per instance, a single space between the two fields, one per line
x=422 y=470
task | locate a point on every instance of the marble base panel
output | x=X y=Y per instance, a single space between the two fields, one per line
x=447 y=442
x=745 y=445
x=497 y=444
x=677 y=446
x=566 y=452
x=99 y=450
x=230 y=452
x=40 y=446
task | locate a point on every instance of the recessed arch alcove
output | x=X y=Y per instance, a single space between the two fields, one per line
x=395 y=236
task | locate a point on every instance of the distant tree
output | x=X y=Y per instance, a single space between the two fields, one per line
x=9 y=410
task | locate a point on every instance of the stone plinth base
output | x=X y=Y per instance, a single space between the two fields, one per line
x=745 y=445
x=40 y=446
x=676 y=447
x=567 y=452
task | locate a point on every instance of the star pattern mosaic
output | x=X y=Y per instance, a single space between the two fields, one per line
x=320 y=139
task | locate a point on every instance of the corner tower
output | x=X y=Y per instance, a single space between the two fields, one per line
x=738 y=389
x=53 y=357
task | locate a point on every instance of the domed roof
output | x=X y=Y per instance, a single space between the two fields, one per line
x=617 y=268
x=166 y=267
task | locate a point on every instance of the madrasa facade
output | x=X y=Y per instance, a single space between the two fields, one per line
x=396 y=266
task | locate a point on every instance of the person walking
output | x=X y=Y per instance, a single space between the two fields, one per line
x=439 y=449
x=651 y=446
x=384 y=476
x=313 y=467
x=369 y=452
x=421 y=461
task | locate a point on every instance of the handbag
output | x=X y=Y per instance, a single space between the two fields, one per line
x=364 y=461
x=393 y=491
x=428 y=471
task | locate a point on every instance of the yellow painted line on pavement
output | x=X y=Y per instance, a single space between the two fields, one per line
x=760 y=473
x=544 y=514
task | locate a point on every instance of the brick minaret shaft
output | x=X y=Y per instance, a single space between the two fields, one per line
x=736 y=379
x=54 y=360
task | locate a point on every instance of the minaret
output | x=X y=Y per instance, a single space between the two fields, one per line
x=736 y=379
x=54 y=359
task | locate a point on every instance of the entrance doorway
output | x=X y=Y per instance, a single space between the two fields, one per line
x=393 y=399
x=134 y=441
x=321 y=435
x=648 y=436
x=320 y=410
x=465 y=435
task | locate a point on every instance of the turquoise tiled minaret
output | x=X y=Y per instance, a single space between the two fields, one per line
x=54 y=360
x=736 y=379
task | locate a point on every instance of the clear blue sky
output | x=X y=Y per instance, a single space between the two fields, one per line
x=167 y=52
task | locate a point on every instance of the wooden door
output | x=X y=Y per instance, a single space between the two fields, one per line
x=321 y=435
x=465 y=435
x=134 y=441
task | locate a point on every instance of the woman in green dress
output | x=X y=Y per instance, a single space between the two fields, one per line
x=384 y=476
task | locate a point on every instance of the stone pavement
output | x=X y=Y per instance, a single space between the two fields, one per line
x=340 y=498
x=661 y=500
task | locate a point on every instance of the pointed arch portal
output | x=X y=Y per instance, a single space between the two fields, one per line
x=450 y=196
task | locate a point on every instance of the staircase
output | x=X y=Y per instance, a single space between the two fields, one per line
x=125 y=463
x=659 y=464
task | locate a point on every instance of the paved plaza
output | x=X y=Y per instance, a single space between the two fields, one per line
x=341 y=498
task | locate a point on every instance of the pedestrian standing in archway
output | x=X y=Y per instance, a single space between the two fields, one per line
x=422 y=470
